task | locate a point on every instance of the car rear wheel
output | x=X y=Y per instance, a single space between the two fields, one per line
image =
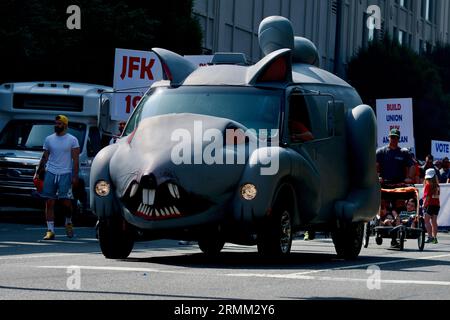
x=116 y=238
x=348 y=240
x=275 y=239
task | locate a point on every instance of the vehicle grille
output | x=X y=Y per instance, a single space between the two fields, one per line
x=16 y=178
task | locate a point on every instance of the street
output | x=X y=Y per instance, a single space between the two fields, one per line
x=66 y=269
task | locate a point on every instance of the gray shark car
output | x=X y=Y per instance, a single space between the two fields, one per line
x=213 y=154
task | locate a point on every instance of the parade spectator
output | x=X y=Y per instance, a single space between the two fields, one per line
x=388 y=217
x=416 y=178
x=60 y=163
x=431 y=204
x=409 y=216
x=445 y=171
x=394 y=165
x=119 y=134
x=428 y=165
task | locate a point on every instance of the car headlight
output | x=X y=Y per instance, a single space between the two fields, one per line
x=102 y=188
x=248 y=191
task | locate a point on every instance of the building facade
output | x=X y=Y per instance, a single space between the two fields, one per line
x=339 y=28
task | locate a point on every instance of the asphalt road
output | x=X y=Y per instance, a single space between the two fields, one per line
x=67 y=269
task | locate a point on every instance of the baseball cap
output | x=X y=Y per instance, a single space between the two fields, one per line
x=63 y=119
x=430 y=173
x=394 y=132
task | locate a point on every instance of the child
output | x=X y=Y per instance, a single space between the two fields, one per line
x=387 y=218
x=410 y=216
x=431 y=204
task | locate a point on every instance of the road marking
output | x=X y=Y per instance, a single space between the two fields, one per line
x=25 y=256
x=127 y=269
x=17 y=243
x=373 y=264
x=102 y=268
x=56 y=228
x=339 y=279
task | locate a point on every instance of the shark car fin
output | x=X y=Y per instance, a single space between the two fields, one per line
x=275 y=67
x=175 y=67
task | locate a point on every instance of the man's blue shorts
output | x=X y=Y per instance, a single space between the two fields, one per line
x=57 y=186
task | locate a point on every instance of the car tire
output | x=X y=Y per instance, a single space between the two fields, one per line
x=275 y=238
x=211 y=246
x=116 y=238
x=348 y=240
x=367 y=232
x=421 y=238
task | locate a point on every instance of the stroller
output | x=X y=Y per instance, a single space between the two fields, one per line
x=394 y=222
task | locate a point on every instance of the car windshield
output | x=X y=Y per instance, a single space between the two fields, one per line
x=30 y=134
x=254 y=108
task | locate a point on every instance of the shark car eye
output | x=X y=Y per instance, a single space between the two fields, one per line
x=102 y=188
x=248 y=191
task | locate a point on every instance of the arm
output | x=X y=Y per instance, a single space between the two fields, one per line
x=411 y=173
x=76 y=160
x=42 y=163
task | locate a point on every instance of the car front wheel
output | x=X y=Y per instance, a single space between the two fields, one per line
x=115 y=236
x=275 y=239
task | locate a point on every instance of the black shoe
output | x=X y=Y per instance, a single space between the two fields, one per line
x=395 y=244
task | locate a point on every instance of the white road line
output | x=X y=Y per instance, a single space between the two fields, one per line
x=373 y=264
x=292 y=276
x=339 y=279
x=56 y=228
x=26 y=256
x=25 y=243
x=128 y=269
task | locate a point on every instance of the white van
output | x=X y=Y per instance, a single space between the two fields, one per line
x=27 y=116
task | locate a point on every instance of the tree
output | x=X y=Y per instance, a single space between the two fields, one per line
x=35 y=43
x=386 y=70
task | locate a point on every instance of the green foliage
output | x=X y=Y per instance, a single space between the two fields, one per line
x=35 y=43
x=386 y=70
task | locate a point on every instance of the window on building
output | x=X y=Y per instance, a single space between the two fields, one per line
x=427 y=6
x=401 y=37
x=403 y=3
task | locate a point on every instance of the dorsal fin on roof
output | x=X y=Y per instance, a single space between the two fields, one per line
x=175 y=67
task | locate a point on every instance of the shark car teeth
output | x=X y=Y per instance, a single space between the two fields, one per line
x=134 y=189
x=148 y=196
x=174 y=192
x=151 y=213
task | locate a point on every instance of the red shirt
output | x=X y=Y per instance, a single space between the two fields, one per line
x=430 y=199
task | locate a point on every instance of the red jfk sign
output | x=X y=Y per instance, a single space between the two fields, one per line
x=131 y=64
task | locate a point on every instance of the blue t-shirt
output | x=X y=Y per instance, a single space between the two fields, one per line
x=394 y=163
x=60 y=153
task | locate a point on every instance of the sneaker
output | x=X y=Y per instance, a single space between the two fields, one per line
x=49 y=235
x=306 y=237
x=435 y=241
x=395 y=244
x=429 y=240
x=69 y=230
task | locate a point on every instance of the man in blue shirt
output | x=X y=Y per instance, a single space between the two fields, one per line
x=394 y=164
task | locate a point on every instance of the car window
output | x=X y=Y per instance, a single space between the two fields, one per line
x=30 y=134
x=254 y=108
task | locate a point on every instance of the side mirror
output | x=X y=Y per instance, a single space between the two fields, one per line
x=104 y=115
